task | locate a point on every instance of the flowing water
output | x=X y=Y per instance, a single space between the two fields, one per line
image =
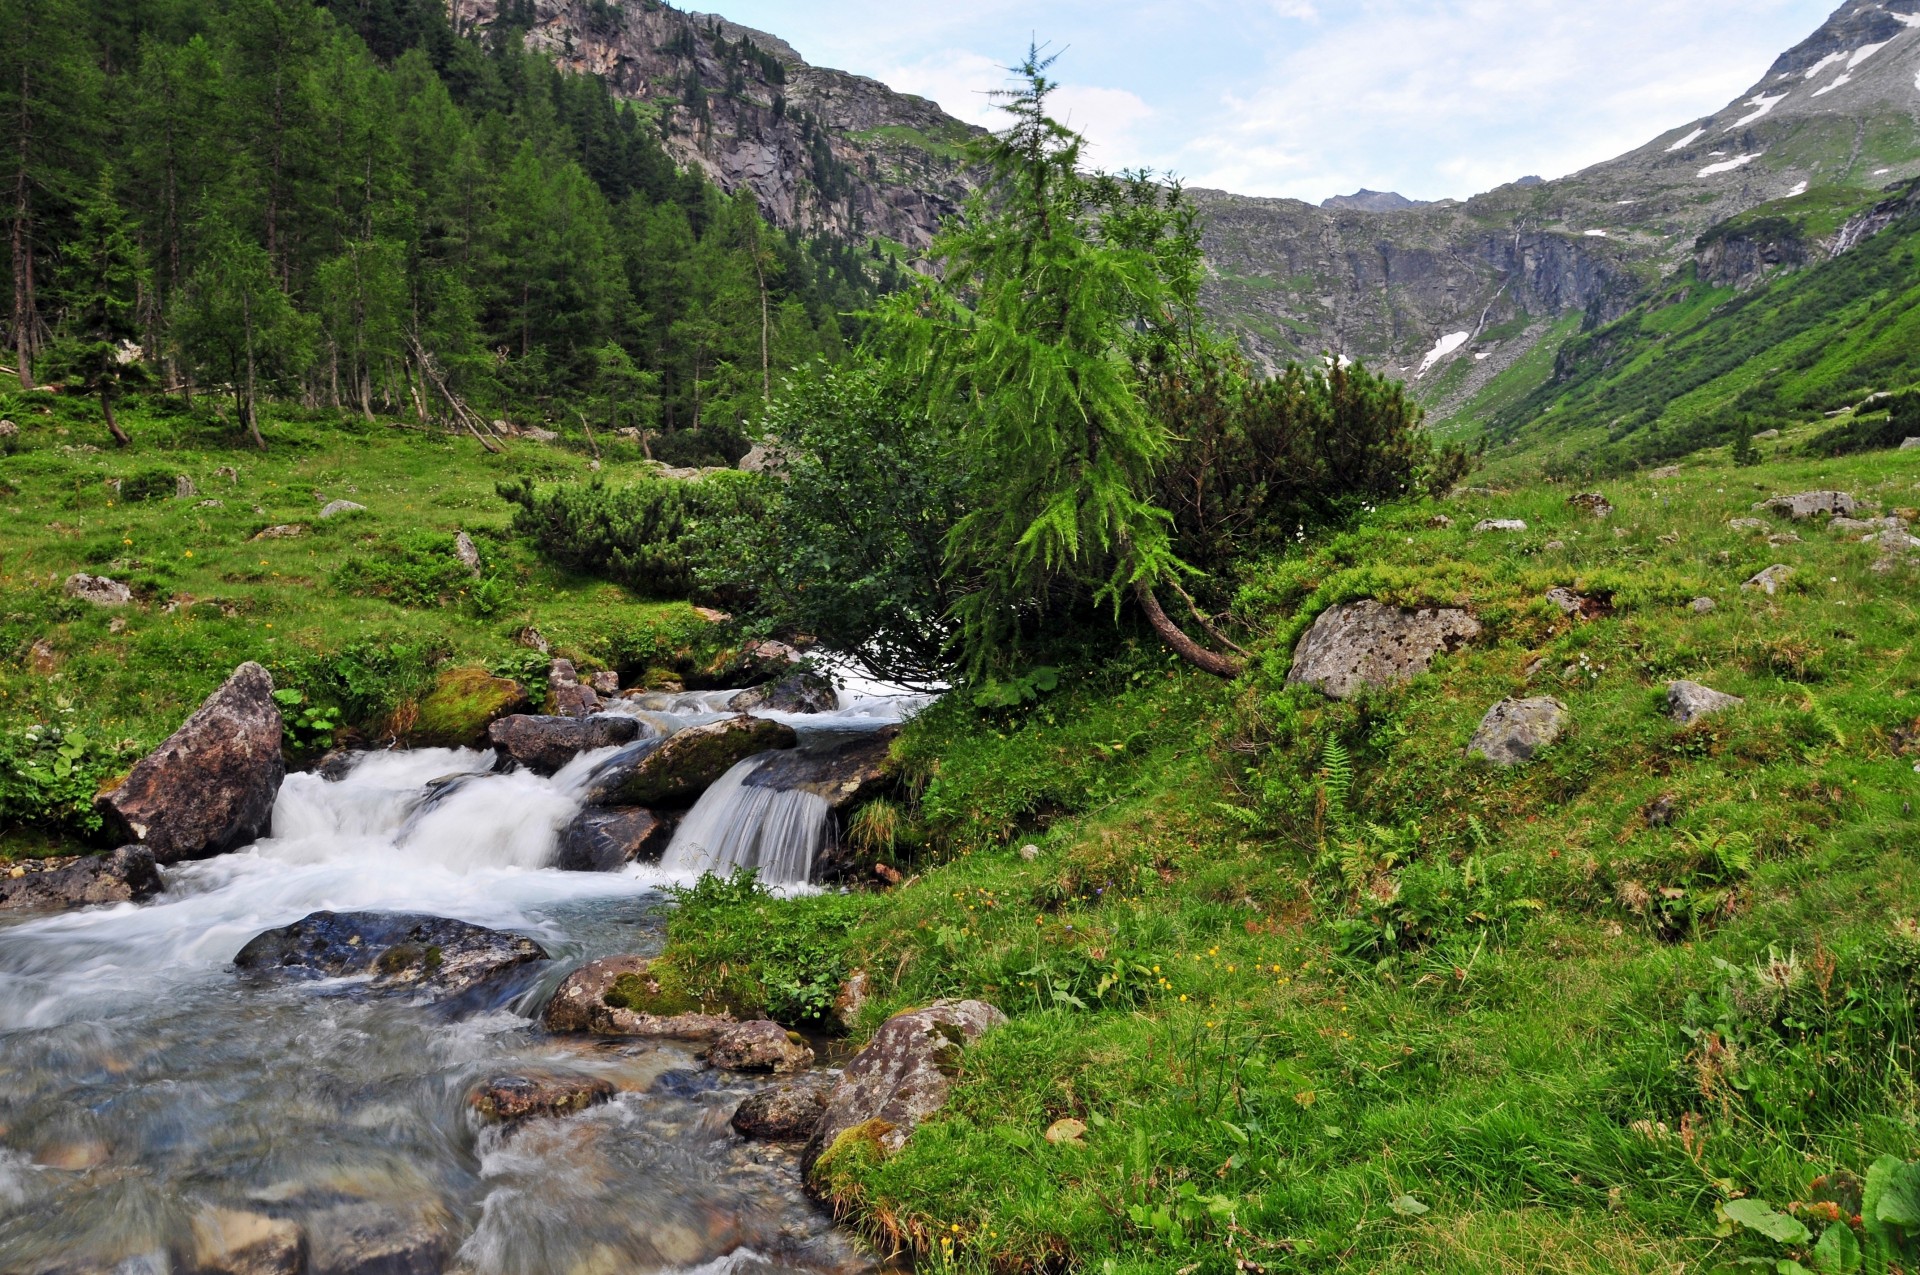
x=144 y=1086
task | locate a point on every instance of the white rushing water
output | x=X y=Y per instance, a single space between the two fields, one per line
x=735 y=827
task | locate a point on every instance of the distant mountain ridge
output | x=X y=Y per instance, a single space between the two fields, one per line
x=1364 y=200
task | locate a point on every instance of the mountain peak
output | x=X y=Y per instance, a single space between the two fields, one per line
x=1375 y=201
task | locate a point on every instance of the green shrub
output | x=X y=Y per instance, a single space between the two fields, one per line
x=417 y=570
x=49 y=775
x=149 y=484
x=1874 y=432
x=640 y=536
x=732 y=941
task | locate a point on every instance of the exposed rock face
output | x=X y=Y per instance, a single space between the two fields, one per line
x=512 y=1098
x=1515 y=730
x=688 y=763
x=545 y=744
x=800 y=693
x=822 y=150
x=1374 y=201
x=402 y=951
x=1372 y=645
x=1690 y=701
x=367 y=1239
x=462 y=706
x=762 y=1046
x=210 y=788
x=579 y=1004
x=787 y=1112
x=1771 y=580
x=608 y=840
x=1811 y=504
x=99 y=590
x=903 y=1075
x=127 y=875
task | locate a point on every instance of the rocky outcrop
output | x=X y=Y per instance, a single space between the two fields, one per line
x=903 y=1076
x=210 y=788
x=597 y=999
x=608 y=840
x=398 y=951
x=689 y=763
x=1514 y=731
x=98 y=590
x=1811 y=504
x=127 y=875
x=1689 y=701
x=1370 y=645
x=844 y=774
x=760 y=1046
x=787 y=1112
x=1770 y=581
x=509 y=1099
x=463 y=704
x=546 y=744
x=799 y=693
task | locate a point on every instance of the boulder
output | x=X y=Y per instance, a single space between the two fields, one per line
x=1910 y=445
x=1896 y=548
x=581 y=1004
x=127 y=875
x=1702 y=606
x=1370 y=644
x=844 y=774
x=688 y=763
x=1580 y=605
x=1593 y=502
x=761 y=1045
x=787 y=1112
x=9 y=437
x=469 y=555
x=1499 y=524
x=1811 y=504
x=210 y=788
x=608 y=840
x=335 y=508
x=183 y=488
x=1770 y=581
x=1690 y=701
x=605 y=683
x=764 y=458
x=284 y=531
x=508 y=1099
x=567 y=696
x=463 y=704
x=1439 y=522
x=799 y=693
x=1514 y=730
x=1747 y=524
x=370 y=1239
x=539 y=435
x=903 y=1076
x=99 y=590
x=1868 y=525
x=228 y=1241
x=1665 y=471
x=401 y=951
x=545 y=744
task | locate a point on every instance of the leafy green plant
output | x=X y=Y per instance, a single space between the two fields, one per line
x=49 y=775
x=308 y=726
x=733 y=941
x=1884 y=1238
x=1015 y=691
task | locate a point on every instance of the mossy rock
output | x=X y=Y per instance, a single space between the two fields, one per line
x=460 y=707
x=660 y=990
x=837 y=1173
x=688 y=764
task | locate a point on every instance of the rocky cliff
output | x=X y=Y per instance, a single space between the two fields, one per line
x=824 y=151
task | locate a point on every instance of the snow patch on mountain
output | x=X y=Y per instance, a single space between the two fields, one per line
x=1813 y=72
x=1844 y=79
x=1688 y=140
x=1447 y=345
x=1764 y=105
x=1864 y=52
x=1727 y=166
x=1800 y=188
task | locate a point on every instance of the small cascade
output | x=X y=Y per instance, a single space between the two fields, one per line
x=735 y=826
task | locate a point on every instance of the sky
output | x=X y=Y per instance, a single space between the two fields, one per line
x=1311 y=98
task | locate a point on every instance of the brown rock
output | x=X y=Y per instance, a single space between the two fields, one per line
x=523 y=1097
x=211 y=787
x=567 y=696
x=368 y=1239
x=1369 y=644
x=237 y=1242
x=850 y=1000
x=608 y=840
x=579 y=1004
x=545 y=744
x=688 y=763
x=43 y=659
x=127 y=875
x=903 y=1075
x=760 y=1046
x=844 y=775
x=786 y=1112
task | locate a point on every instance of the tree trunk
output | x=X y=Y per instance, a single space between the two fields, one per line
x=120 y=438
x=1176 y=638
x=252 y=408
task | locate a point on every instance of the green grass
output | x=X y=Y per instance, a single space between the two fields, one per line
x=359 y=611
x=1517 y=1026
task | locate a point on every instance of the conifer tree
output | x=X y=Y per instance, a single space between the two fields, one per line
x=104 y=273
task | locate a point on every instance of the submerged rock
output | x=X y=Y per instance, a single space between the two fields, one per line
x=369 y=1239
x=1372 y=645
x=787 y=1112
x=1690 y=701
x=903 y=1076
x=1514 y=730
x=524 y=1097
x=761 y=1045
x=126 y=875
x=228 y=1241
x=210 y=788
x=608 y=840
x=400 y=950
x=800 y=693
x=462 y=706
x=545 y=744
x=689 y=763
x=598 y=999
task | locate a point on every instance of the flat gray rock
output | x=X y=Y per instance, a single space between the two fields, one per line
x=1499 y=524
x=1372 y=645
x=1811 y=504
x=1703 y=606
x=1690 y=701
x=335 y=508
x=1770 y=580
x=1514 y=730
x=99 y=591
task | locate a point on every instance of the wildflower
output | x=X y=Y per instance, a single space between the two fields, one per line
x=189 y=553
x=1183 y=998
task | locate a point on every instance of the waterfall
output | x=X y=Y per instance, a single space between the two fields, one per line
x=735 y=825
